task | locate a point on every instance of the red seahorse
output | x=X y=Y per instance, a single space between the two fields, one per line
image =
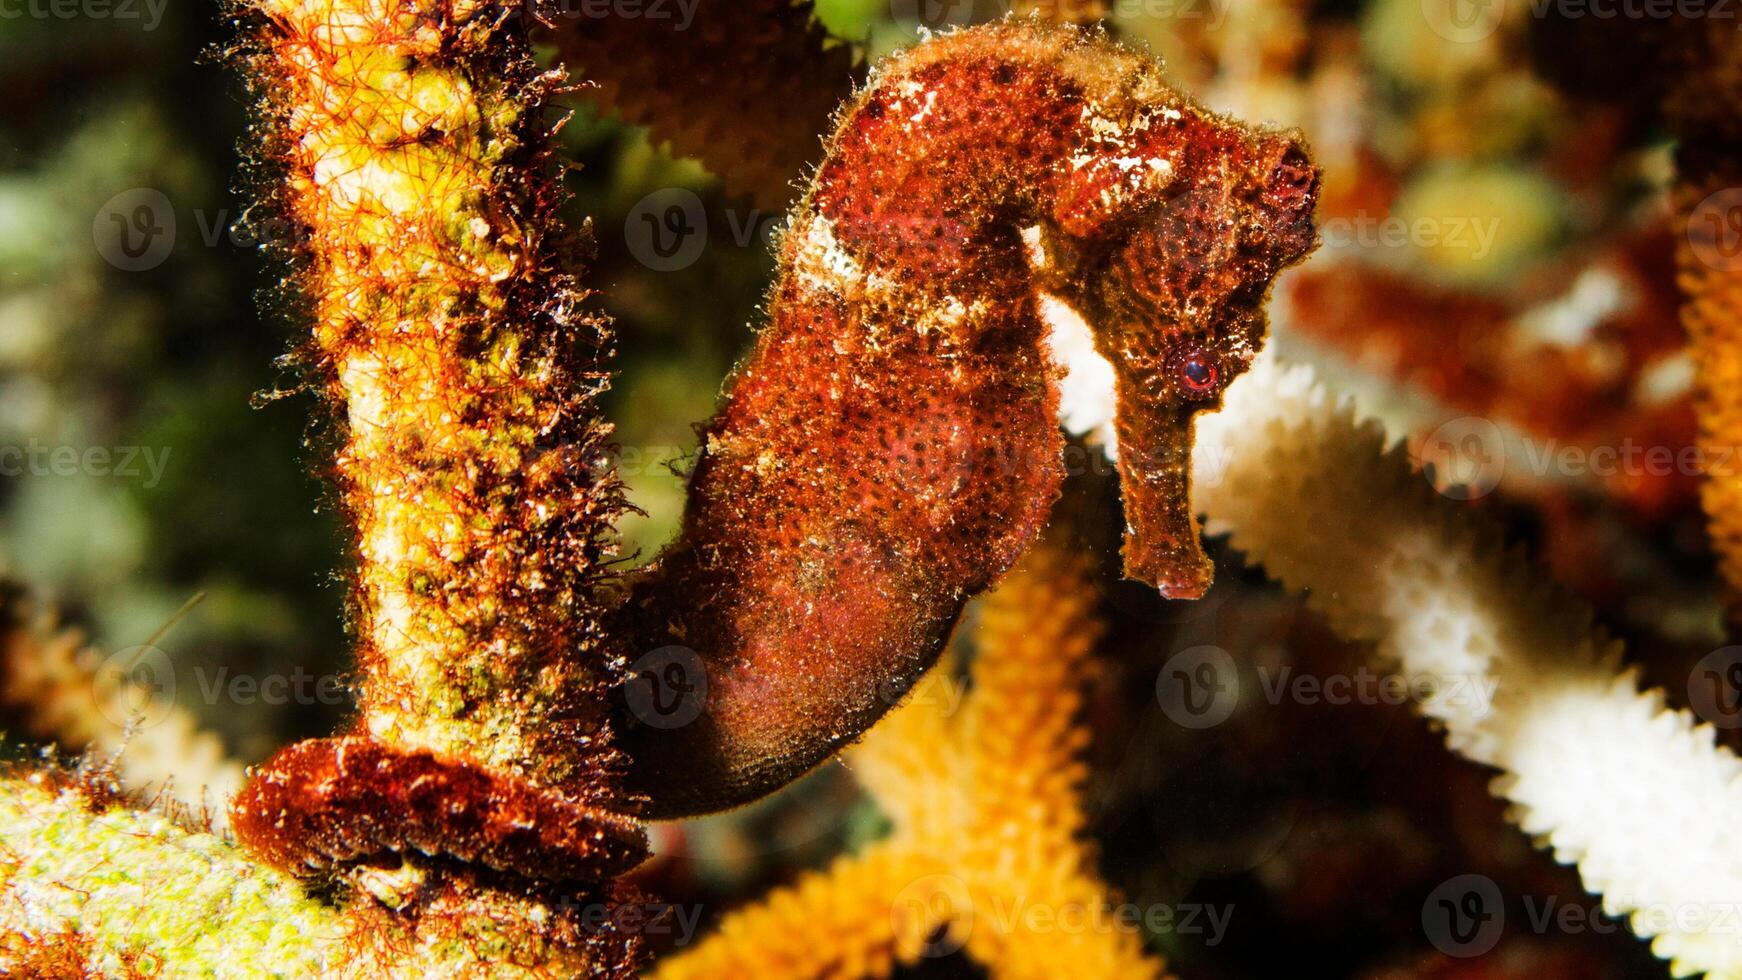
x=890 y=445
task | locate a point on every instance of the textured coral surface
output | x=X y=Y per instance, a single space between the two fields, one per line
x=109 y=891
x=449 y=333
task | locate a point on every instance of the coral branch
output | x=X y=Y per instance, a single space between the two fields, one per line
x=1637 y=795
x=101 y=890
x=706 y=78
x=1712 y=314
x=986 y=797
x=1708 y=201
x=890 y=445
x=68 y=872
x=450 y=331
x=451 y=335
x=1694 y=65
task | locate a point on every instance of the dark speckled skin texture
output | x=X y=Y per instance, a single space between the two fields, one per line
x=890 y=446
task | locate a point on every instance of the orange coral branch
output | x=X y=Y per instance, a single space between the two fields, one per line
x=448 y=330
x=1712 y=314
x=1703 y=104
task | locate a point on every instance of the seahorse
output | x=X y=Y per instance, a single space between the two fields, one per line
x=890 y=444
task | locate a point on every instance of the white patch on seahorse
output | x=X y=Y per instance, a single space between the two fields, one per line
x=1665 y=379
x=931 y=100
x=952 y=318
x=822 y=262
x=1086 y=392
x=1112 y=146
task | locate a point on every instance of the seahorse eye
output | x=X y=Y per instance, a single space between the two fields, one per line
x=1195 y=370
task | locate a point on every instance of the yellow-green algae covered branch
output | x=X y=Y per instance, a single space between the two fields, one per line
x=117 y=892
x=93 y=888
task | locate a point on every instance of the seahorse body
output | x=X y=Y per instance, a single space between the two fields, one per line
x=890 y=445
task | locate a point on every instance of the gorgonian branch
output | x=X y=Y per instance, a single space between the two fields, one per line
x=449 y=336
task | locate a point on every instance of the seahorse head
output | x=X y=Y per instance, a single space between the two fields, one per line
x=1175 y=223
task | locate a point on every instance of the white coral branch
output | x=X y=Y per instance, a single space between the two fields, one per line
x=1640 y=797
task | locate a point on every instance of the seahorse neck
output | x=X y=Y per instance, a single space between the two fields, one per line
x=936 y=172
